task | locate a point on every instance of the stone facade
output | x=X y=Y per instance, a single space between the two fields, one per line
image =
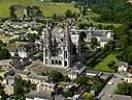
x=60 y=50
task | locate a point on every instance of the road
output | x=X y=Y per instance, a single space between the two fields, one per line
x=108 y=90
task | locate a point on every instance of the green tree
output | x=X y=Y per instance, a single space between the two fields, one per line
x=21 y=87
x=94 y=43
x=68 y=13
x=68 y=94
x=57 y=76
x=4 y=54
x=2 y=92
x=12 y=12
x=124 y=88
x=82 y=80
x=32 y=37
x=54 y=17
x=88 y=96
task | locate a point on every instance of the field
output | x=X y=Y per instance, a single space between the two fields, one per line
x=103 y=65
x=48 y=9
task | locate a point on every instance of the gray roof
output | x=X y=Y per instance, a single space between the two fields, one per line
x=121 y=97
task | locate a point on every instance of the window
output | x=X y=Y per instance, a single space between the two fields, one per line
x=60 y=63
x=65 y=54
x=46 y=52
x=56 y=62
x=65 y=63
x=52 y=62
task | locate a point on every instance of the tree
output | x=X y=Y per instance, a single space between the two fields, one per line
x=2 y=92
x=33 y=86
x=124 y=88
x=66 y=78
x=100 y=26
x=82 y=80
x=57 y=76
x=94 y=43
x=54 y=17
x=2 y=44
x=67 y=94
x=88 y=96
x=4 y=54
x=32 y=37
x=112 y=63
x=68 y=13
x=21 y=87
x=12 y=12
x=123 y=35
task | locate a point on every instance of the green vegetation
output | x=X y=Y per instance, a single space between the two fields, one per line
x=103 y=65
x=2 y=92
x=123 y=35
x=89 y=19
x=124 y=88
x=67 y=94
x=4 y=53
x=58 y=77
x=48 y=9
x=88 y=96
x=124 y=40
x=94 y=83
x=21 y=87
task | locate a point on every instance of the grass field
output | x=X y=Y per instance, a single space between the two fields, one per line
x=48 y=9
x=103 y=65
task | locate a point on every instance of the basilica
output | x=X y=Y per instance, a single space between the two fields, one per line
x=60 y=47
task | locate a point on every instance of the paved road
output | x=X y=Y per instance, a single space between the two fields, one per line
x=108 y=90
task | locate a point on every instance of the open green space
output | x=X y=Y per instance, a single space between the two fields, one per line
x=90 y=16
x=103 y=65
x=48 y=9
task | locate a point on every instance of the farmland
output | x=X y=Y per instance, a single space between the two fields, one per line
x=48 y=9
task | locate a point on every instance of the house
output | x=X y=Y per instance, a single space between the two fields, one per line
x=121 y=97
x=90 y=73
x=128 y=78
x=9 y=85
x=76 y=70
x=44 y=87
x=122 y=67
x=102 y=36
x=21 y=52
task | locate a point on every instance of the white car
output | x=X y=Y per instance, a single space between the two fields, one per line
x=110 y=82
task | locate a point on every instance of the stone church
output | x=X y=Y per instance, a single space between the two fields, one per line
x=60 y=47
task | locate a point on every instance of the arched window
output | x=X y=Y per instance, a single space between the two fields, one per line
x=56 y=62
x=65 y=63
x=60 y=63
x=52 y=61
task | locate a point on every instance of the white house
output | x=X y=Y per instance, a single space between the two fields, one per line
x=122 y=67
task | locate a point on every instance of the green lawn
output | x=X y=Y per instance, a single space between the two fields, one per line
x=48 y=9
x=103 y=65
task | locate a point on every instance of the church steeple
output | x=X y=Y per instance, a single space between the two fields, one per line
x=68 y=42
x=49 y=35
